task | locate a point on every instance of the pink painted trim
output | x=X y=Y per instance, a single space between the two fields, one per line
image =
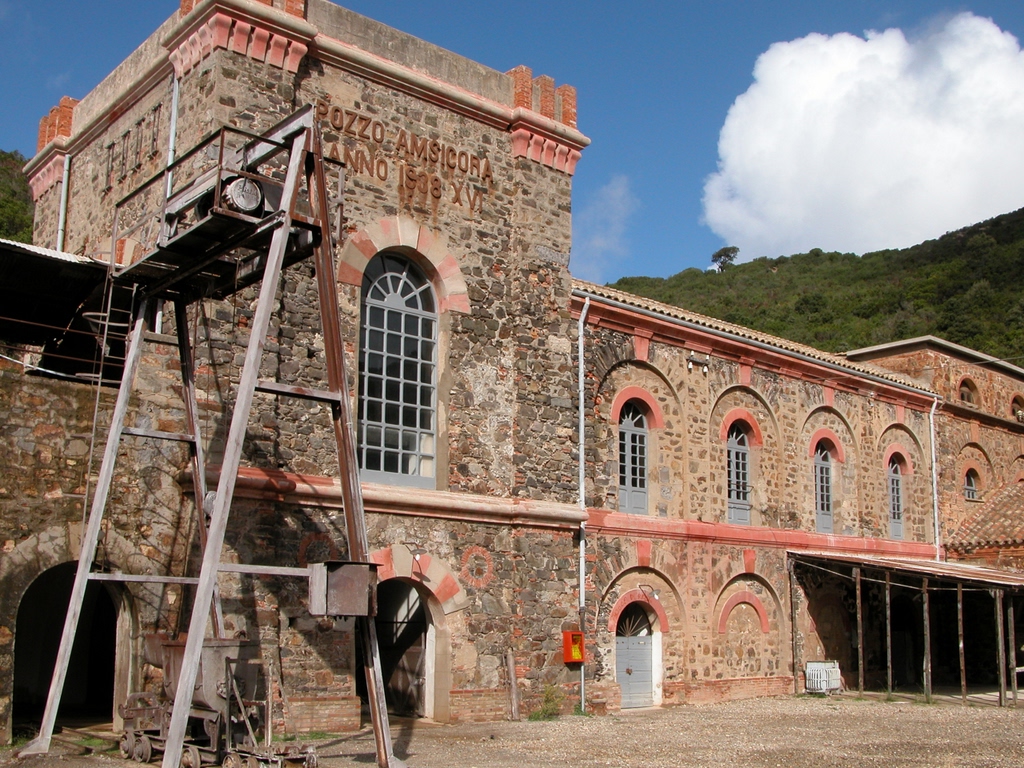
x=536 y=147
x=642 y=347
x=608 y=523
x=830 y=397
x=643 y=553
x=240 y=37
x=260 y=41
x=906 y=464
x=390 y=232
x=520 y=142
x=637 y=596
x=296 y=51
x=827 y=434
x=749 y=561
x=47 y=176
x=742 y=414
x=570 y=163
x=743 y=597
x=278 y=48
x=654 y=414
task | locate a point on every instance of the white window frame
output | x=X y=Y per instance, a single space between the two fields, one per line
x=824 y=520
x=633 y=459
x=397 y=374
x=971 y=482
x=895 y=485
x=738 y=475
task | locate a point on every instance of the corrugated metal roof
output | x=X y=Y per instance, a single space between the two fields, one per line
x=937 y=569
x=11 y=245
x=713 y=324
x=997 y=522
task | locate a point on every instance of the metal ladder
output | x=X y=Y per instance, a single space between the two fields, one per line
x=185 y=266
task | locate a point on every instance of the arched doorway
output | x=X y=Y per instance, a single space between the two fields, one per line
x=634 y=656
x=405 y=638
x=89 y=687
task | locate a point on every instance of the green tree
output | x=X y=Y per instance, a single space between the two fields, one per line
x=16 y=209
x=724 y=257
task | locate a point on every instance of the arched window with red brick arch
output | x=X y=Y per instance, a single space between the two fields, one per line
x=823 y=456
x=737 y=459
x=633 y=458
x=896 y=470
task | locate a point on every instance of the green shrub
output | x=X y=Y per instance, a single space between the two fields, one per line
x=550 y=705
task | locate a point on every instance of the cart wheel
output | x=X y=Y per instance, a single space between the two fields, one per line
x=143 y=749
x=232 y=760
x=190 y=757
x=127 y=745
x=252 y=762
x=311 y=760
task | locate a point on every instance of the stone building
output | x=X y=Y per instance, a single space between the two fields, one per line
x=730 y=483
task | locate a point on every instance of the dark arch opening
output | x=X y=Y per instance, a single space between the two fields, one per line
x=89 y=686
x=402 y=637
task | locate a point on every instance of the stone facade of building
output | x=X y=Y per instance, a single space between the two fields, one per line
x=465 y=174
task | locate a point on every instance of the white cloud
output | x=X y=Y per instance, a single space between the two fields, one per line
x=857 y=144
x=599 y=228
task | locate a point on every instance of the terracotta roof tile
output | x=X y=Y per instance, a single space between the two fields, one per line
x=747 y=333
x=998 y=521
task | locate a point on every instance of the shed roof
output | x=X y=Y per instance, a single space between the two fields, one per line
x=942 y=570
x=998 y=521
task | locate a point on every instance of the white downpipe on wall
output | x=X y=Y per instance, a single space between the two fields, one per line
x=172 y=144
x=935 y=483
x=172 y=138
x=62 y=215
x=581 y=430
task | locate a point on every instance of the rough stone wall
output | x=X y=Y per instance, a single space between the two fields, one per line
x=703 y=589
x=688 y=458
x=984 y=435
x=44 y=462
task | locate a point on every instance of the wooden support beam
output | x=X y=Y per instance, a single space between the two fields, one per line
x=1012 y=649
x=1000 y=645
x=928 y=641
x=860 y=632
x=888 y=633
x=960 y=635
x=792 y=623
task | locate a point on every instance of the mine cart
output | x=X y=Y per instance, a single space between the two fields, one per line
x=228 y=725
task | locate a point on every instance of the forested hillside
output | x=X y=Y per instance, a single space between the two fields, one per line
x=967 y=287
x=15 y=201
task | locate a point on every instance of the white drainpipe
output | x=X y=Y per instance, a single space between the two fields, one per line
x=581 y=370
x=935 y=484
x=62 y=216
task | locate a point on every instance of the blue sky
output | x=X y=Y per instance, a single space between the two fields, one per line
x=838 y=142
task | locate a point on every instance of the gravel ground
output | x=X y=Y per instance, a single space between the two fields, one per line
x=759 y=733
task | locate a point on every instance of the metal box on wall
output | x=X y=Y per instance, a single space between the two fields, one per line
x=343 y=589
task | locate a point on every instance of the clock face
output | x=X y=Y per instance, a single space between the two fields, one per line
x=243 y=195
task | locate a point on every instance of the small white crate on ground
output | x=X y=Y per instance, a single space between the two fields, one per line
x=823 y=677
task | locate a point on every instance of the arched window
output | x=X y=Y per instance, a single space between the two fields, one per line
x=895 y=498
x=823 y=487
x=632 y=459
x=738 y=472
x=968 y=392
x=1017 y=409
x=971 y=485
x=397 y=373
